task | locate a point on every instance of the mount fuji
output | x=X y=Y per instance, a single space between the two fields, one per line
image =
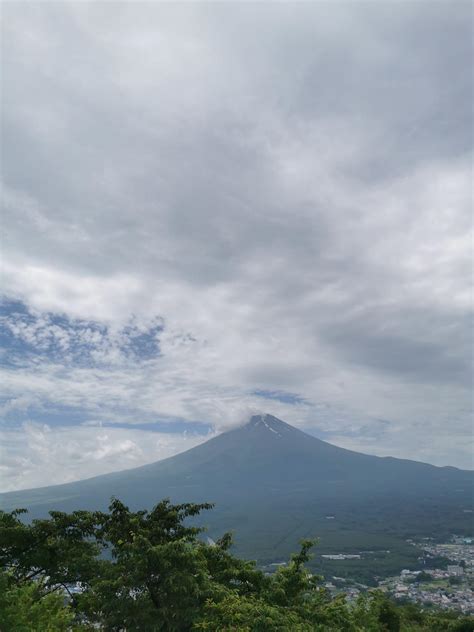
x=273 y=484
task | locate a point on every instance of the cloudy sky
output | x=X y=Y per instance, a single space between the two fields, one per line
x=216 y=209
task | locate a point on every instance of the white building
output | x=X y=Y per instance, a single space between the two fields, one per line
x=454 y=569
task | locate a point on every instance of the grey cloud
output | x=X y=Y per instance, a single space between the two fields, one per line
x=417 y=343
x=411 y=358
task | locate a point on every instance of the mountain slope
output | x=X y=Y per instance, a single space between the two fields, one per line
x=273 y=484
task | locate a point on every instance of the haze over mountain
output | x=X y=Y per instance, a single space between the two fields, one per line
x=273 y=484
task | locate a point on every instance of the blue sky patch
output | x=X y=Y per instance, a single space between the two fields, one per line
x=27 y=337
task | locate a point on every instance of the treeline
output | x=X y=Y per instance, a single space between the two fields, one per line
x=149 y=571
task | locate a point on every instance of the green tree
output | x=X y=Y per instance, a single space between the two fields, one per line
x=138 y=570
x=292 y=583
x=249 y=614
x=388 y=617
x=422 y=577
x=29 y=607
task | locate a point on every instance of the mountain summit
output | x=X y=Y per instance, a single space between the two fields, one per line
x=273 y=484
x=270 y=423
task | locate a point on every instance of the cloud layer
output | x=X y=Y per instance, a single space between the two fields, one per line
x=205 y=205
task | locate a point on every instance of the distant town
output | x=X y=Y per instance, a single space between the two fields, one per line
x=445 y=588
x=451 y=587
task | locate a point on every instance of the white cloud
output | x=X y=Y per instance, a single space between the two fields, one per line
x=39 y=455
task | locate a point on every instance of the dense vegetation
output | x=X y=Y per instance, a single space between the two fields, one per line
x=150 y=571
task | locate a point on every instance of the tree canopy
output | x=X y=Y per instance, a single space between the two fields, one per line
x=150 y=571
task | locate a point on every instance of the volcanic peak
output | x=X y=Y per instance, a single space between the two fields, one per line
x=269 y=423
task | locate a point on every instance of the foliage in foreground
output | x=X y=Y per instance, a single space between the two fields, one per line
x=149 y=571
